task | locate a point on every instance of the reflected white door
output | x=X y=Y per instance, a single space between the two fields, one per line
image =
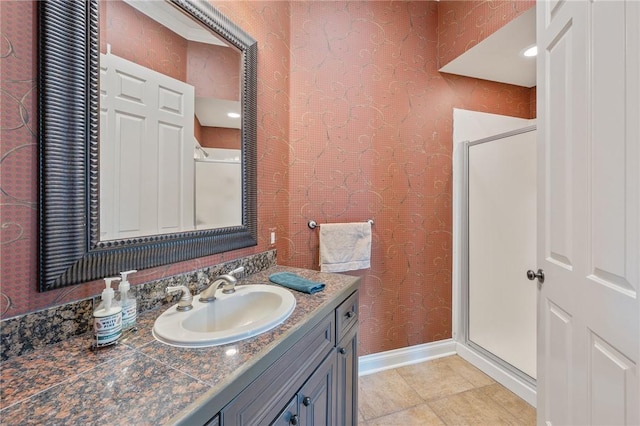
x=588 y=212
x=146 y=151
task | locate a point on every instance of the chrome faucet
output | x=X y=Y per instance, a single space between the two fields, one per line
x=227 y=282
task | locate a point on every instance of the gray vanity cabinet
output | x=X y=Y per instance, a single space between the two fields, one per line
x=317 y=398
x=290 y=414
x=315 y=402
x=347 y=356
x=347 y=380
x=313 y=384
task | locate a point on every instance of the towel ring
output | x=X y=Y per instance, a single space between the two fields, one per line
x=312 y=223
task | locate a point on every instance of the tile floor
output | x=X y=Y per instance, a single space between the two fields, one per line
x=445 y=391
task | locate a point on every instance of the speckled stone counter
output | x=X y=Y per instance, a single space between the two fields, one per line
x=142 y=381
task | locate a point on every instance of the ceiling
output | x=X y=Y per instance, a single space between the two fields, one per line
x=165 y=14
x=212 y=112
x=499 y=56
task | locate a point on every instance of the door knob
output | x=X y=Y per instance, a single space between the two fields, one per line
x=533 y=275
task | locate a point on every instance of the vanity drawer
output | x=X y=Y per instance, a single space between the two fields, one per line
x=346 y=316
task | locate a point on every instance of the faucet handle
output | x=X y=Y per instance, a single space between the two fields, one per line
x=228 y=282
x=184 y=304
x=237 y=270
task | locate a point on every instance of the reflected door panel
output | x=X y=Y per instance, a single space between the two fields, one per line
x=147 y=133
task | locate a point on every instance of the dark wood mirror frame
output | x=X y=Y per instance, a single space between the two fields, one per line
x=70 y=251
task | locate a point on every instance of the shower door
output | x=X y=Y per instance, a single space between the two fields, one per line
x=501 y=231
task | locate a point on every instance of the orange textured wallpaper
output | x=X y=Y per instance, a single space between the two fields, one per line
x=371 y=137
x=463 y=24
x=214 y=71
x=354 y=122
x=220 y=137
x=534 y=102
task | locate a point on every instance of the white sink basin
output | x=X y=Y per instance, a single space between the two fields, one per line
x=251 y=310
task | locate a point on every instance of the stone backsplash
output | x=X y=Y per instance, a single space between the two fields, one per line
x=24 y=333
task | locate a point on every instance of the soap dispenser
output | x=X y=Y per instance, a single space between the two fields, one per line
x=107 y=318
x=128 y=302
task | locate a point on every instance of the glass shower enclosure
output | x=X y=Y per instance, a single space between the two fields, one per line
x=500 y=230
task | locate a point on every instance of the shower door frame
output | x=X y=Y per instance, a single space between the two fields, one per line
x=464 y=254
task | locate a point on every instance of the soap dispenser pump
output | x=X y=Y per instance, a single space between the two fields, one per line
x=107 y=318
x=128 y=302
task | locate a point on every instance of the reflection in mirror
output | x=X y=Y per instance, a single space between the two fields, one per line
x=75 y=246
x=170 y=116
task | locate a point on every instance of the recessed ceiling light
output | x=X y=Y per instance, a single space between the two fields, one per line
x=531 y=51
x=233 y=115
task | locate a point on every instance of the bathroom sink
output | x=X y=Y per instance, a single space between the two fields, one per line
x=251 y=310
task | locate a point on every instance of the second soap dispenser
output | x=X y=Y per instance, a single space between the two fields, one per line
x=128 y=302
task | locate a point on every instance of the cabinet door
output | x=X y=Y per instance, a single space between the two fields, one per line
x=317 y=398
x=289 y=415
x=264 y=398
x=214 y=421
x=347 y=382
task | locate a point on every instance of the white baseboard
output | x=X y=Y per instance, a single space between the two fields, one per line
x=515 y=384
x=374 y=363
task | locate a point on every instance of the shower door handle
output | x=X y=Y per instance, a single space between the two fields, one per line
x=533 y=275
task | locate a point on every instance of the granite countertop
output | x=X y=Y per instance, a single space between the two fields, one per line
x=143 y=381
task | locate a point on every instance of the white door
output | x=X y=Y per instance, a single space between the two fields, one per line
x=146 y=151
x=588 y=212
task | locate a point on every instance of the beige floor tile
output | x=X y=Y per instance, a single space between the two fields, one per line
x=472 y=374
x=433 y=380
x=524 y=413
x=473 y=407
x=384 y=393
x=456 y=392
x=420 y=415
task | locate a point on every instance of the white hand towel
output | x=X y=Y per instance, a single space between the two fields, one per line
x=345 y=246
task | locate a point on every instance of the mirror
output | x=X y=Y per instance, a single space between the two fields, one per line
x=72 y=249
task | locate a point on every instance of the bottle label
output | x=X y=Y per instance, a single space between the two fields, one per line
x=107 y=329
x=129 y=316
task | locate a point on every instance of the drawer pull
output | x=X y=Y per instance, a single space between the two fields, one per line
x=294 y=420
x=351 y=314
x=342 y=351
x=306 y=401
